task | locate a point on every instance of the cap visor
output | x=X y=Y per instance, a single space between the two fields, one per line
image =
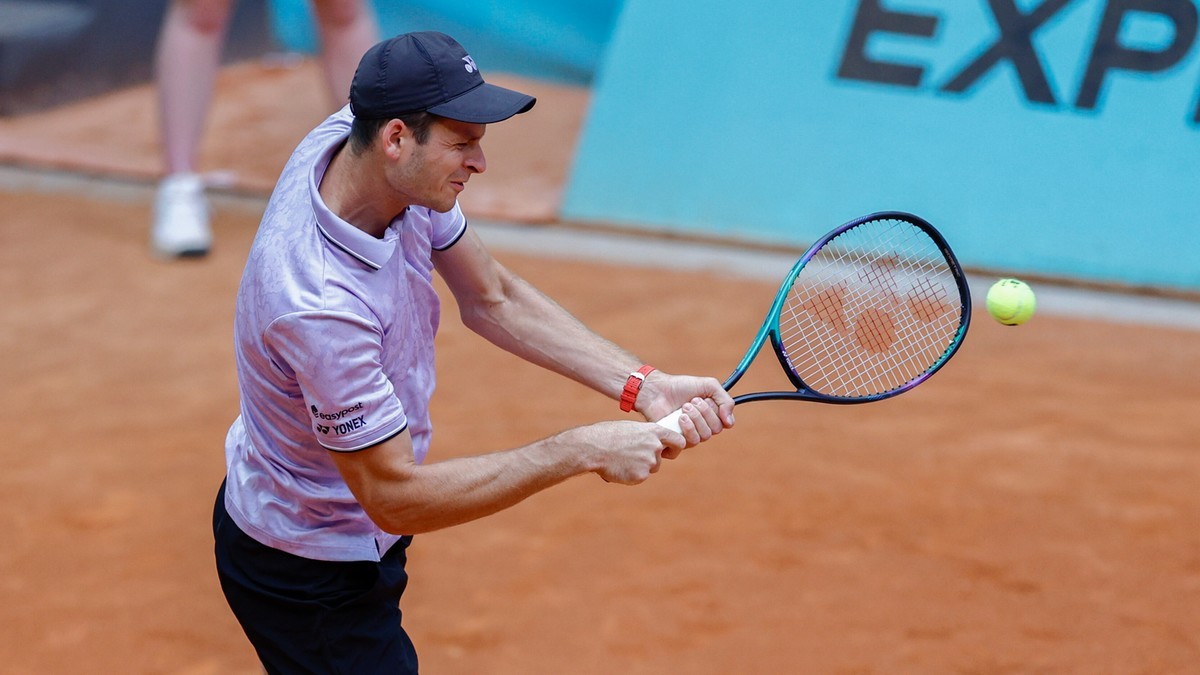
x=485 y=104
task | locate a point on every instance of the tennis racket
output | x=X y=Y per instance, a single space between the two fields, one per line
x=870 y=311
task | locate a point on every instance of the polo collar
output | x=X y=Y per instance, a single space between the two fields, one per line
x=368 y=250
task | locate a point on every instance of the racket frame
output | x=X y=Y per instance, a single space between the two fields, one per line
x=770 y=326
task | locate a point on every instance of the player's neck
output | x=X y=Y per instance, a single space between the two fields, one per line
x=355 y=190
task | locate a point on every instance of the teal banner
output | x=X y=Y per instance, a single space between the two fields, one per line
x=1050 y=137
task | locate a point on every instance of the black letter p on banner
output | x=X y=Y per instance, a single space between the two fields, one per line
x=1108 y=54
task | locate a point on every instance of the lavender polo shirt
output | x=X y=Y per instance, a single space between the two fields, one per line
x=333 y=342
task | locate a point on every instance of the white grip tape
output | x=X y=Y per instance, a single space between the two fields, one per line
x=672 y=421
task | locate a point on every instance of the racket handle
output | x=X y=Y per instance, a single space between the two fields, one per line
x=672 y=421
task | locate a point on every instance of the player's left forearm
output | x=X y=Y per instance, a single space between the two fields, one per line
x=524 y=321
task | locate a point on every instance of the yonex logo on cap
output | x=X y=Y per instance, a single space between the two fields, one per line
x=471 y=67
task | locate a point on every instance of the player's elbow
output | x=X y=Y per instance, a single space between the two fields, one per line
x=391 y=516
x=405 y=521
x=389 y=507
x=491 y=313
x=485 y=317
x=384 y=490
x=391 y=524
x=399 y=508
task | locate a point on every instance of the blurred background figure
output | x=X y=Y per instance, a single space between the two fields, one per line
x=186 y=63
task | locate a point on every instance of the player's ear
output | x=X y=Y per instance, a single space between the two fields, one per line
x=394 y=137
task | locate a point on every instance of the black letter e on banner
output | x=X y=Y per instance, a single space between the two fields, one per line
x=871 y=18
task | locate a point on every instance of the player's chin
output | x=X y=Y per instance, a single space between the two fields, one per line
x=443 y=204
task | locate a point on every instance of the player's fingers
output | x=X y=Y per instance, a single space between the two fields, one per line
x=711 y=415
x=687 y=428
x=699 y=413
x=723 y=401
x=725 y=412
x=672 y=441
x=672 y=451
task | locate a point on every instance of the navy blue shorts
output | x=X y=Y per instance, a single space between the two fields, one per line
x=314 y=616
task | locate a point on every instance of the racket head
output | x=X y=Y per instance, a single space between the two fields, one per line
x=871 y=310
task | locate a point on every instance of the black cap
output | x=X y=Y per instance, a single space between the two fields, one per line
x=430 y=72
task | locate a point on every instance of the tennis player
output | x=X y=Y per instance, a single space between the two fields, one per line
x=327 y=478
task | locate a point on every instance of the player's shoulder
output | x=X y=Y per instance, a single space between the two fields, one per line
x=339 y=119
x=334 y=128
x=441 y=228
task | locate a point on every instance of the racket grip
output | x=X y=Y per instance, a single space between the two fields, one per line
x=671 y=421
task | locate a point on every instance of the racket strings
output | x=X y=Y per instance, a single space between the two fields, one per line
x=874 y=309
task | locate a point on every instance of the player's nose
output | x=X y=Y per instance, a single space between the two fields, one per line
x=475 y=161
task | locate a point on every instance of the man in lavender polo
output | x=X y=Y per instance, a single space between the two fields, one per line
x=327 y=476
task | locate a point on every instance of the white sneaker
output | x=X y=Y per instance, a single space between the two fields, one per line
x=181 y=218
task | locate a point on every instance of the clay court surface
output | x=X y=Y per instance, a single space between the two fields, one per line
x=1034 y=508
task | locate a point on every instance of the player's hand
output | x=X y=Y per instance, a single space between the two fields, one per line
x=700 y=421
x=625 y=452
x=663 y=394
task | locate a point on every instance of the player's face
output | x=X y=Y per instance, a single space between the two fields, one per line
x=434 y=173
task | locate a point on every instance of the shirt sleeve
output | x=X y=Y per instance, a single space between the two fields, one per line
x=336 y=358
x=447 y=228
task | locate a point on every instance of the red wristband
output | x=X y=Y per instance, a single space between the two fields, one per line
x=632 y=386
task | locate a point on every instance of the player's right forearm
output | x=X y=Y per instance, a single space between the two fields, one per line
x=404 y=497
x=410 y=498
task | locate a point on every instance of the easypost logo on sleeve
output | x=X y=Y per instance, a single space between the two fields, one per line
x=341 y=422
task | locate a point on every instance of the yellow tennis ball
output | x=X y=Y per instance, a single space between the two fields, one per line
x=1011 y=302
